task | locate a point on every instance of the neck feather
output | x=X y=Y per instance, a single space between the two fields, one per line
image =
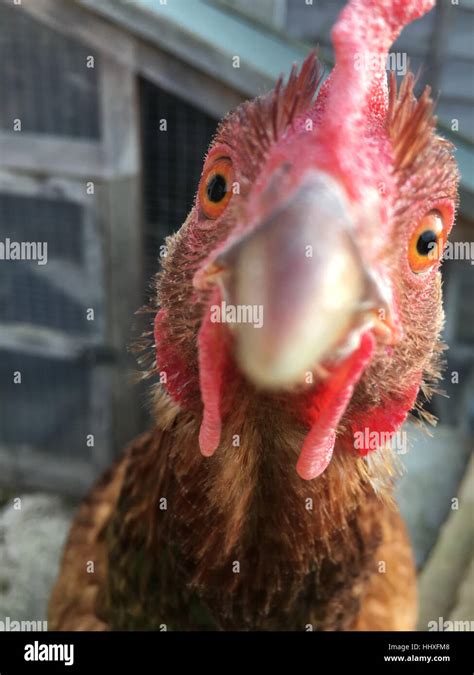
x=246 y=525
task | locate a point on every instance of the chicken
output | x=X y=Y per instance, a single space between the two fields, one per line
x=298 y=315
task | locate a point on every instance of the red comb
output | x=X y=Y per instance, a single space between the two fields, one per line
x=363 y=34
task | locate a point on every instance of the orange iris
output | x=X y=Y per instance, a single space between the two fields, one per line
x=426 y=243
x=215 y=189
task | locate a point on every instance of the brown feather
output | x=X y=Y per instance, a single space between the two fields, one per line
x=246 y=504
x=315 y=565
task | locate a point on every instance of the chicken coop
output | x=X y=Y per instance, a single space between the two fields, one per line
x=111 y=105
x=109 y=113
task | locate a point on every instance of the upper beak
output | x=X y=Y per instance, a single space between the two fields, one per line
x=301 y=273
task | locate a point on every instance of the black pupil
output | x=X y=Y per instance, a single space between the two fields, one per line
x=216 y=188
x=426 y=242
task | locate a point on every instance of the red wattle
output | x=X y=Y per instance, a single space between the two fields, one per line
x=212 y=354
x=386 y=419
x=335 y=395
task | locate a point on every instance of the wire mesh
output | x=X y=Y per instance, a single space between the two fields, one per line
x=49 y=87
x=28 y=294
x=172 y=162
x=49 y=408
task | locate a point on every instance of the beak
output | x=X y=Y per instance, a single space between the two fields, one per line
x=300 y=276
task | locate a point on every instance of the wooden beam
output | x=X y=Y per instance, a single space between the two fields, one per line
x=268 y=13
x=163 y=31
x=47 y=342
x=44 y=154
x=450 y=557
x=187 y=82
x=120 y=119
x=121 y=216
x=49 y=187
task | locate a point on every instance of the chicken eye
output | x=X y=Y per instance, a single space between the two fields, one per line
x=426 y=243
x=215 y=189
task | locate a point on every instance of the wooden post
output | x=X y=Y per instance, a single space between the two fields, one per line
x=121 y=218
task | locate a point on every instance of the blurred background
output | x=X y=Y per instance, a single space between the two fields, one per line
x=106 y=111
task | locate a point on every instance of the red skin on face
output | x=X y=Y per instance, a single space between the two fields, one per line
x=349 y=142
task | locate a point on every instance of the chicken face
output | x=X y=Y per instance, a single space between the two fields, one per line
x=316 y=231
